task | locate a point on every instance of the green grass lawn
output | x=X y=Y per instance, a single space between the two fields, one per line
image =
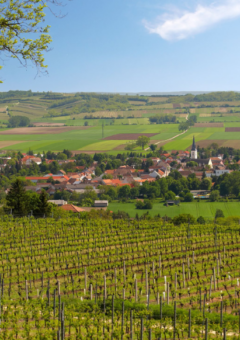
x=203 y=208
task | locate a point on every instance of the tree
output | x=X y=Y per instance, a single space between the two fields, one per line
x=153 y=147
x=214 y=196
x=188 y=197
x=192 y=164
x=43 y=205
x=98 y=171
x=206 y=184
x=62 y=156
x=170 y=196
x=124 y=191
x=183 y=126
x=183 y=219
x=86 y=123
x=173 y=163
x=214 y=146
x=175 y=174
x=142 y=141
x=146 y=204
x=54 y=167
x=219 y=213
x=17 y=199
x=68 y=153
x=134 y=192
x=18 y=121
x=20 y=21
x=201 y=220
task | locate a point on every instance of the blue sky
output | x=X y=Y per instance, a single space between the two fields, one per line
x=138 y=46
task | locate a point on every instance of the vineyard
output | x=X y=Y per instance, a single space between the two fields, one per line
x=72 y=279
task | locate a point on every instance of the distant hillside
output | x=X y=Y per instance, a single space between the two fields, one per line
x=48 y=105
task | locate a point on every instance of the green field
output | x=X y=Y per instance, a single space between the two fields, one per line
x=88 y=140
x=119 y=114
x=204 y=208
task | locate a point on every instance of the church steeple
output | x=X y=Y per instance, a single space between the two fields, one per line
x=194 y=144
x=194 y=153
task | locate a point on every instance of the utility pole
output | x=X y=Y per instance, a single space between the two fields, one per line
x=102 y=130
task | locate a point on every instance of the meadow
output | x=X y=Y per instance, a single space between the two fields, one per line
x=203 y=208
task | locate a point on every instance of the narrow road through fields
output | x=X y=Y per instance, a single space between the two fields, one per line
x=166 y=140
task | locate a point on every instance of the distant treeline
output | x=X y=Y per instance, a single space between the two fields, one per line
x=208 y=97
x=163 y=119
x=18 y=121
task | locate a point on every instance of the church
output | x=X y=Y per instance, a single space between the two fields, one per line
x=194 y=156
x=194 y=152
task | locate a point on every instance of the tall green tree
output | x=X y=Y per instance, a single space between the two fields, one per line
x=17 y=199
x=142 y=141
x=43 y=206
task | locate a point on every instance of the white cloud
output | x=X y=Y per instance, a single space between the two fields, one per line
x=182 y=24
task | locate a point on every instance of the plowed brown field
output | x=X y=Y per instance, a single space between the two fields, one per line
x=48 y=124
x=41 y=130
x=232 y=129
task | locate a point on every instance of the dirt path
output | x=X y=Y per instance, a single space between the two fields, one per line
x=166 y=140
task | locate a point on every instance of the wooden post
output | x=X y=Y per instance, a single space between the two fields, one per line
x=136 y=297
x=122 y=320
x=54 y=303
x=221 y=314
x=59 y=287
x=123 y=294
x=210 y=289
x=189 y=323
x=26 y=287
x=91 y=292
x=131 y=325
x=85 y=278
x=183 y=274
x=160 y=307
x=214 y=278
x=204 y=304
x=168 y=293
x=206 y=329
x=146 y=281
x=141 y=334
x=105 y=287
x=112 y=313
x=160 y=266
x=174 y=320
x=188 y=269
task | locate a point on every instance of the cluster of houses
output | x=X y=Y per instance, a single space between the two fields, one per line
x=160 y=167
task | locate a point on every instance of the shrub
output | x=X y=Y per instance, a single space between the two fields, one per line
x=183 y=218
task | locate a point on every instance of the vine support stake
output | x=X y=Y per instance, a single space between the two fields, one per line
x=122 y=320
x=189 y=323
x=206 y=329
x=141 y=334
x=221 y=314
x=174 y=320
x=131 y=325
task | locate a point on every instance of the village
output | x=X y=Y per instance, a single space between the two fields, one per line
x=67 y=185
